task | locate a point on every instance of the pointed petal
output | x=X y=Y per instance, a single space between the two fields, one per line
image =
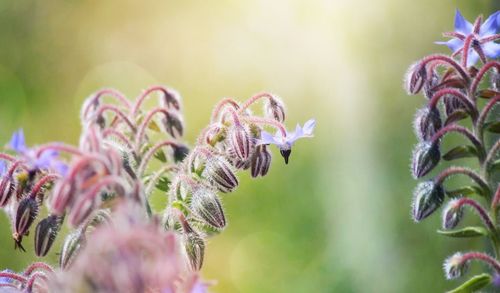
x=461 y=24
x=309 y=127
x=490 y=26
x=17 y=142
x=267 y=138
x=472 y=58
x=491 y=50
x=453 y=44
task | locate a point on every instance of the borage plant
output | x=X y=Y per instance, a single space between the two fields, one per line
x=462 y=91
x=101 y=189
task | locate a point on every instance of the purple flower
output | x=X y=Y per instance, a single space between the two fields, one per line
x=6 y=280
x=483 y=37
x=3 y=167
x=285 y=143
x=46 y=160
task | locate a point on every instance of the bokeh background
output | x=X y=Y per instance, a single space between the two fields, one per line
x=336 y=219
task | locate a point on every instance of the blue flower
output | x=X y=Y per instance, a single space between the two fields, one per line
x=6 y=280
x=285 y=143
x=46 y=160
x=483 y=37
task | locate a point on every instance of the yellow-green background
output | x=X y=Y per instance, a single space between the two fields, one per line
x=337 y=218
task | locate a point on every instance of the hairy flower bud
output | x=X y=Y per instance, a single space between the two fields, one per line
x=173 y=124
x=206 y=205
x=430 y=84
x=26 y=213
x=426 y=199
x=195 y=250
x=261 y=161
x=275 y=109
x=180 y=152
x=170 y=98
x=415 y=78
x=452 y=214
x=81 y=211
x=45 y=234
x=220 y=172
x=240 y=142
x=6 y=190
x=71 y=247
x=455 y=266
x=61 y=198
x=426 y=156
x=495 y=79
x=427 y=123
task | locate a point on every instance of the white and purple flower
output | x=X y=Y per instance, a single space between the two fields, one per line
x=484 y=36
x=285 y=143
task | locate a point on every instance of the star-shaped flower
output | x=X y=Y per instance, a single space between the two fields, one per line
x=483 y=35
x=285 y=143
x=48 y=159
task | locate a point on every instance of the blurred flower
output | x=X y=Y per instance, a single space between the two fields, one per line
x=481 y=43
x=285 y=143
x=3 y=167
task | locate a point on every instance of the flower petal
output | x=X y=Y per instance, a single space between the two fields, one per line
x=453 y=44
x=461 y=24
x=3 y=167
x=17 y=142
x=267 y=138
x=491 y=50
x=472 y=58
x=490 y=26
x=309 y=127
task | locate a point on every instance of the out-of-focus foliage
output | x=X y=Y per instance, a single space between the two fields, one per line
x=336 y=219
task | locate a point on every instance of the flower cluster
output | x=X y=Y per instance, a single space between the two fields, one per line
x=102 y=187
x=454 y=87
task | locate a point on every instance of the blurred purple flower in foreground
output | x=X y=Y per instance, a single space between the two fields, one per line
x=481 y=36
x=285 y=143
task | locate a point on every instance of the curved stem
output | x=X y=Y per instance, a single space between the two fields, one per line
x=14 y=276
x=37 y=266
x=465 y=132
x=496 y=200
x=157 y=175
x=480 y=210
x=151 y=152
x=33 y=278
x=483 y=257
x=221 y=105
x=44 y=180
x=145 y=123
x=84 y=161
x=254 y=99
x=265 y=121
x=6 y=157
x=456 y=93
x=480 y=75
x=61 y=147
x=491 y=156
x=113 y=132
x=105 y=181
x=118 y=112
x=147 y=93
x=106 y=92
x=484 y=114
x=442 y=59
x=463 y=171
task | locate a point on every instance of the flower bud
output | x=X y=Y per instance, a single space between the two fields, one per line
x=240 y=142
x=81 y=211
x=45 y=234
x=173 y=124
x=261 y=161
x=206 y=205
x=455 y=266
x=240 y=164
x=427 y=198
x=71 y=247
x=495 y=79
x=275 y=109
x=195 y=250
x=453 y=104
x=427 y=123
x=430 y=83
x=415 y=78
x=61 y=198
x=426 y=156
x=180 y=152
x=170 y=98
x=452 y=214
x=6 y=190
x=220 y=172
x=25 y=215
x=170 y=220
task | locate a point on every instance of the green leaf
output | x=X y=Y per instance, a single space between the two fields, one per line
x=162 y=184
x=473 y=284
x=493 y=126
x=154 y=126
x=487 y=94
x=455 y=116
x=494 y=166
x=466 y=232
x=462 y=151
x=465 y=191
x=160 y=155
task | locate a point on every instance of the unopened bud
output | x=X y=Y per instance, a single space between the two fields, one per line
x=426 y=156
x=430 y=83
x=220 y=172
x=180 y=152
x=6 y=190
x=171 y=220
x=240 y=164
x=240 y=142
x=455 y=266
x=206 y=205
x=173 y=124
x=275 y=109
x=415 y=78
x=81 y=211
x=427 y=123
x=427 y=198
x=261 y=161
x=45 y=234
x=495 y=79
x=195 y=250
x=71 y=247
x=452 y=214
x=170 y=98
x=26 y=213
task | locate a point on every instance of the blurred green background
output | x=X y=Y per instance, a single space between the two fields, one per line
x=336 y=219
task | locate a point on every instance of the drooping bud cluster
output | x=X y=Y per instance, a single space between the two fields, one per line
x=452 y=86
x=101 y=189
